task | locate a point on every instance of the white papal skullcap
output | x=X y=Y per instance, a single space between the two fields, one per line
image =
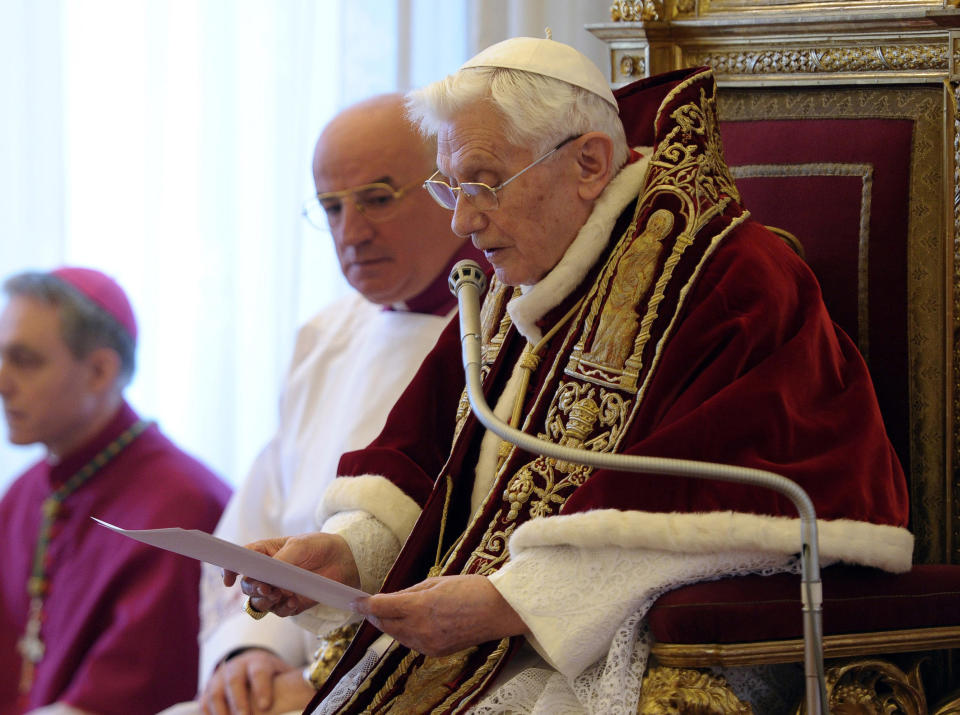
x=548 y=58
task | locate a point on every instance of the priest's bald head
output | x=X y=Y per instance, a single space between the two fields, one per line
x=528 y=137
x=369 y=166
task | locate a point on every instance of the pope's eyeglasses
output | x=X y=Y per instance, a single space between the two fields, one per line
x=483 y=197
x=377 y=201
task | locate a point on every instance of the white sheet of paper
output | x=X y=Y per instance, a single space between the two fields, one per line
x=206 y=547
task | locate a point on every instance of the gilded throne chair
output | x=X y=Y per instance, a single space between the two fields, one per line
x=840 y=124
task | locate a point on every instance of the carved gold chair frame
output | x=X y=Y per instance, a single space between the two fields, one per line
x=834 y=59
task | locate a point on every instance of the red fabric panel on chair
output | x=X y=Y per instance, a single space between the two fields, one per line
x=855 y=600
x=810 y=182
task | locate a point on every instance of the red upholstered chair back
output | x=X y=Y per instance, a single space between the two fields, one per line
x=841 y=186
x=854 y=174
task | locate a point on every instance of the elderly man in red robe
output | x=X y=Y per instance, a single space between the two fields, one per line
x=636 y=309
x=86 y=618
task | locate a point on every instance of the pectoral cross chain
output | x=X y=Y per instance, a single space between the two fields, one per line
x=31 y=646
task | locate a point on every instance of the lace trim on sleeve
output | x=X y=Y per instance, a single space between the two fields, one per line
x=587 y=611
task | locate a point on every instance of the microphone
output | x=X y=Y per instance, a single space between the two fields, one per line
x=467 y=282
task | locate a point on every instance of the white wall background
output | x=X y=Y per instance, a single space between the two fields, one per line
x=168 y=143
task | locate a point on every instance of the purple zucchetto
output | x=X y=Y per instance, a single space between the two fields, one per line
x=102 y=290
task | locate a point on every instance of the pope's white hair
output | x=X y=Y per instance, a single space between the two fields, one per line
x=539 y=111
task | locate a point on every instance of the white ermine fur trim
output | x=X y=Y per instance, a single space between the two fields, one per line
x=856 y=542
x=375 y=495
x=536 y=300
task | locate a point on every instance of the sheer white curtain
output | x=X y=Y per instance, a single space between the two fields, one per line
x=31 y=152
x=168 y=142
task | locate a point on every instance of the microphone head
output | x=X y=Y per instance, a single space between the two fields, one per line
x=464 y=273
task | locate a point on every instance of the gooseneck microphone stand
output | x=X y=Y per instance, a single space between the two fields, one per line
x=467 y=282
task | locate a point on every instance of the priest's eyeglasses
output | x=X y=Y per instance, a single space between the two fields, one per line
x=483 y=197
x=377 y=201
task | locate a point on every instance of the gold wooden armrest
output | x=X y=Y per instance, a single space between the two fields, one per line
x=701 y=655
x=790 y=240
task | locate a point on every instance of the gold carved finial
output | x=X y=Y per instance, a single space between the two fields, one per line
x=681 y=690
x=548 y=32
x=647 y=10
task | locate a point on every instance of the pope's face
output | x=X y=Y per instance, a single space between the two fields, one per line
x=392 y=260
x=42 y=385
x=538 y=214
